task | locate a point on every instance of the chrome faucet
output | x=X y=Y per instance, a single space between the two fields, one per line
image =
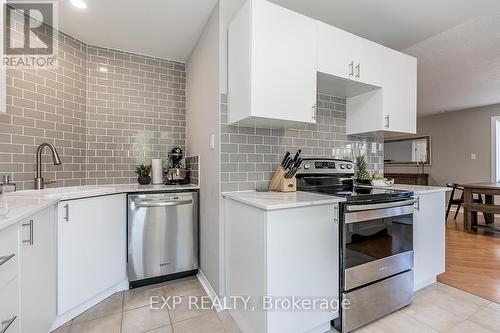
x=55 y=157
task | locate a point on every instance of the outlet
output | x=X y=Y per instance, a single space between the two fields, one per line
x=472 y=156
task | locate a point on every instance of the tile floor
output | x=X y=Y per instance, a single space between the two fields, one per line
x=436 y=309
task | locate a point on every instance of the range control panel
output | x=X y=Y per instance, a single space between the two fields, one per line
x=326 y=166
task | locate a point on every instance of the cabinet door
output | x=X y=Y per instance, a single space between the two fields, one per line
x=9 y=307
x=367 y=62
x=302 y=260
x=283 y=54
x=400 y=92
x=335 y=54
x=91 y=248
x=37 y=271
x=429 y=238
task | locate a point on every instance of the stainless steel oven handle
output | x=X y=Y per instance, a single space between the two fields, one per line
x=357 y=208
x=149 y=203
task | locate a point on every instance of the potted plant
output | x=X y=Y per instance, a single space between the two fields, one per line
x=143 y=172
x=363 y=176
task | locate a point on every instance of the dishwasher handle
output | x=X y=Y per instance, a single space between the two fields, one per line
x=163 y=203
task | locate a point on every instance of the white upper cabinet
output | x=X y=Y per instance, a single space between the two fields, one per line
x=278 y=60
x=344 y=55
x=399 y=92
x=272 y=66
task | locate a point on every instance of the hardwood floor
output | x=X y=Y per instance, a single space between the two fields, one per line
x=472 y=260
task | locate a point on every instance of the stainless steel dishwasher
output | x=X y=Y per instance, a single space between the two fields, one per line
x=162 y=237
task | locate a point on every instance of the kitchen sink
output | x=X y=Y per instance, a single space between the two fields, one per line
x=63 y=191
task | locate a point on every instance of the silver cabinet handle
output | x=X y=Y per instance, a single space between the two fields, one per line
x=147 y=203
x=387 y=121
x=30 y=240
x=6 y=324
x=314 y=111
x=417 y=204
x=3 y=260
x=336 y=214
x=351 y=68
x=66 y=214
x=358 y=70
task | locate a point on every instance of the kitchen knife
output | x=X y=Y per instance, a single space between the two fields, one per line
x=297 y=155
x=291 y=172
x=298 y=163
x=288 y=163
x=285 y=158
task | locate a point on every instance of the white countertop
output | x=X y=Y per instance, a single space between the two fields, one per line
x=16 y=206
x=281 y=200
x=417 y=189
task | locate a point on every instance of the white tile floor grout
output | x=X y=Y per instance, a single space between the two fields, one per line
x=436 y=309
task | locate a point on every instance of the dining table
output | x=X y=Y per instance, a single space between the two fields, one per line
x=487 y=207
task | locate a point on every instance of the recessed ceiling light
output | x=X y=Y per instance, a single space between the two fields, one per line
x=103 y=69
x=79 y=4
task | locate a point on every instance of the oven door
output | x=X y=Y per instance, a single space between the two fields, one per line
x=377 y=243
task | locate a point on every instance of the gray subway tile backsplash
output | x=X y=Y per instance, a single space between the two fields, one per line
x=250 y=155
x=103 y=123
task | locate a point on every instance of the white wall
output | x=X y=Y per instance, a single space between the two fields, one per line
x=203 y=102
x=454 y=137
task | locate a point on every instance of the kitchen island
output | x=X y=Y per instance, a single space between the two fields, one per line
x=285 y=244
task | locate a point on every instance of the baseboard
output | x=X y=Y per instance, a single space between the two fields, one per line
x=209 y=290
x=73 y=313
x=424 y=284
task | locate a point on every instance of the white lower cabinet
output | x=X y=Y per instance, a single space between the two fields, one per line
x=91 y=248
x=429 y=238
x=37 y=271
x=9 y=280
x=281 y=254
x=9 y=307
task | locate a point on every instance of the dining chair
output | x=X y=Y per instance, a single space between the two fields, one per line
x=458 y=201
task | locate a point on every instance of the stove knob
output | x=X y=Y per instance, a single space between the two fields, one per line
x=349 y=166
x=307 y=166
x=342 y=166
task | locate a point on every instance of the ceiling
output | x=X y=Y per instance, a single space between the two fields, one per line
x=456 y=41
x=165 y=29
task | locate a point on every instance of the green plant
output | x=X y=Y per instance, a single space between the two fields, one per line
x=361 y=165
x=143 y=170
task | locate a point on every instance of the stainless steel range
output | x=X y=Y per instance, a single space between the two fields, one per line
x=376 y=242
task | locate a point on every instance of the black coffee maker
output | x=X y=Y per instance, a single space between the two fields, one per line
x=177 y=173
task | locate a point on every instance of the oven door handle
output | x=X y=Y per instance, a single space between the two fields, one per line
x=357 y=208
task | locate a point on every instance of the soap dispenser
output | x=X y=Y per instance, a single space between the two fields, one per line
x=6 y=186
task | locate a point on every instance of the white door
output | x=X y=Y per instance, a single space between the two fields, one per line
x=283 y=64
x=37 y=264
x=91 y=248
x=400 y=92
x=335 y=53
x=429 y=238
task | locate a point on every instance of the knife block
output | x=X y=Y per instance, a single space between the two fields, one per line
x=281 y=184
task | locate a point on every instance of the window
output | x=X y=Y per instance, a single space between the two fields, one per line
x=495 y=149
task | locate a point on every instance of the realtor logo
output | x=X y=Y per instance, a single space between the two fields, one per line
x=30 y=33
